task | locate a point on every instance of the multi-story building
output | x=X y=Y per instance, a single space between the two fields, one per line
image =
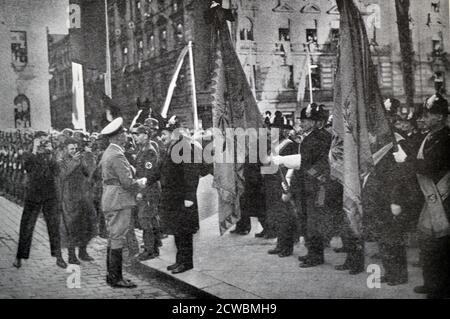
x=274 y=38
x=146 y=38
x=24 y=60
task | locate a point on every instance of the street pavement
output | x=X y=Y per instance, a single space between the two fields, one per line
x=40 y=278
x=228 y=266
x=238 y=267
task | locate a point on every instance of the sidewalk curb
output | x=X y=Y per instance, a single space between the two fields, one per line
x=145 y=270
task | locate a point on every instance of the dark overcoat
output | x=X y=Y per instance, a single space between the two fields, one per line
x=179 y=182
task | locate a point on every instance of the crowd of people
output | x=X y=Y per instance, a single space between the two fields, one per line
x=109 y=183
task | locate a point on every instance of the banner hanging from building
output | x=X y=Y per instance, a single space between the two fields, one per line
x=87 y=30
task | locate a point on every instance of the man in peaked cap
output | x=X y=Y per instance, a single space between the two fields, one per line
x=118 y=199
x=147 y=165
x=432 y=165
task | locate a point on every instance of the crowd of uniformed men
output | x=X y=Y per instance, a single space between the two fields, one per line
x=109 y=183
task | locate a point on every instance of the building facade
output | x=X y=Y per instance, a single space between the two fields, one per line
x=24 y=73
x=274 y=38
x=146 y=38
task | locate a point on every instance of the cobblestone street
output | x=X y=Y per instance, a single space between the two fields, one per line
x=39 y=276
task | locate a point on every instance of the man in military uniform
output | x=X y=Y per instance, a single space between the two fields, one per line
x=147 y=165
x=309 y=184
x=118 y=198
x=432 y=165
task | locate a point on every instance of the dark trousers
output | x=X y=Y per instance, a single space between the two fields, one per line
x=394 y=260
x=354 y=248
x=315 y=245
x=185 y=249
x=435 y=257
x=286 y=229
x=30 y=214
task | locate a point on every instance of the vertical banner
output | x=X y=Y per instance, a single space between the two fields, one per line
x=78 y=114
x=361 y=133
x=87 y=29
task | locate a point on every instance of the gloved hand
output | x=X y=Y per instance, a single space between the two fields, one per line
x=188 y=203
x=400 y=156
x=396 y=209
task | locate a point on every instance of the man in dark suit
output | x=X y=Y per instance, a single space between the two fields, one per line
x=118 y=199
x=180 y=173
x=40 y=194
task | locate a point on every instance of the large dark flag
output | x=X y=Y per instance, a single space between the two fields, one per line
x=233 y=106
x=361 y=132
x=87 y=29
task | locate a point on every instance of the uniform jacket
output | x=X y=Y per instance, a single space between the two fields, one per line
x=436 y=162
x=119 y=185
x=179 y=182
x=147 y=165
x=311 y=185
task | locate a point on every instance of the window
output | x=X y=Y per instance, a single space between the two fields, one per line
x=151 y=44
x=124 y=56
x=163 y=39
x=316 y=79
x=311 y=36
x=283 y=34
x=246 y=31
x=179 y=33
x=161 y=5
x=140 y=48
x=437 y=46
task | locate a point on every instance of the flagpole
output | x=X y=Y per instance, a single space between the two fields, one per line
x=310 y=77
x=194 y=91
x=108 y=88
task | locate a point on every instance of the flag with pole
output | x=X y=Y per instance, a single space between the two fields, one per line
x=361 y=132
x=234 y=106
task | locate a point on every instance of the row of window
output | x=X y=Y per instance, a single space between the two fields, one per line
x=284 y=34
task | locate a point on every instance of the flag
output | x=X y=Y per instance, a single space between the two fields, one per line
x=361 y=132
x=234 y=106
x=78 y=113
x=87 y=30
x=302 y=83
x=173 y=82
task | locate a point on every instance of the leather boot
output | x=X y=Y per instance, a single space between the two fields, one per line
x=116 y=278
x=83 y=254
x=73 y=257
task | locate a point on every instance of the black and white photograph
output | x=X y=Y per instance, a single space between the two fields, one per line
x=237 y=153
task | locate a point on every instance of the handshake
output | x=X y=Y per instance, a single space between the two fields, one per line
x=142 y=182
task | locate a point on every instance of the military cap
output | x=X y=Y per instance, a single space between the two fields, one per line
x=436 y=104
x=67 y=132
x=312 y=112
x=152 y=123
x=113 y=128
x=142 y=129
x=39 y=134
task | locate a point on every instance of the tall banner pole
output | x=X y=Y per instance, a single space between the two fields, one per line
x=194 y=91
x=310 y=77
x=108 y=88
